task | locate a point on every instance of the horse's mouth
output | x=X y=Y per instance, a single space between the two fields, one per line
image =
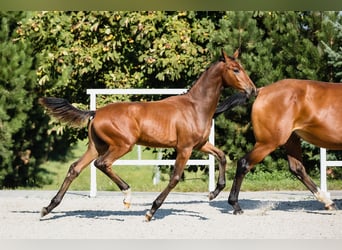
x=251 y=92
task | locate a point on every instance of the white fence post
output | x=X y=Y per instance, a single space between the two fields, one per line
x=323 y=157
x=210 y=162
x=324 y=164
x=93 y=184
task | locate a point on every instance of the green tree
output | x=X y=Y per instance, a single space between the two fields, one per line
x=80 y=50
x=333 y=48
x=17 y=164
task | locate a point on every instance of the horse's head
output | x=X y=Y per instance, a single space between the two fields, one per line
x=235 y=76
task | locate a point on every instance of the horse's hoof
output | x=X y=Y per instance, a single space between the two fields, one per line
x=43 y=212
x=331 y=206
x=148 y=216
x=127 y=205
x=211 y=196
x=238 y=212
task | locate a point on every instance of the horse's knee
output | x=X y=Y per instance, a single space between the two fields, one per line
x=242 y=167
x=223 y=160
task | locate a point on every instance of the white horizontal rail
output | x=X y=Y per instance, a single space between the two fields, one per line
x=136 y=91
x=210 y=162
x=157 y=162
x=324 y=164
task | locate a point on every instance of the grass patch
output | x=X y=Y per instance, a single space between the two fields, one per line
x=140 y=178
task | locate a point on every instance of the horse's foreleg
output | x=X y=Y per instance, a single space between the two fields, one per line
x=294 y=156
x=220 y=156
x=181 y=159
x=244 y=165
x=74 y=170
x=241 y=170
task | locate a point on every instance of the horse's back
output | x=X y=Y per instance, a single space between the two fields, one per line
x=166 y=108
x=154 y=123
x=298 y=92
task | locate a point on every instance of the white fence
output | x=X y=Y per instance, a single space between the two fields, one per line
x=210 y=162
x=324 y=164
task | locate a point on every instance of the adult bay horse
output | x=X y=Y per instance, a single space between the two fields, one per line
x=181 y=122
x=284 y=112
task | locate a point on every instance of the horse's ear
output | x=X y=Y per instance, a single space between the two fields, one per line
x=236 y=54
x=224 y=56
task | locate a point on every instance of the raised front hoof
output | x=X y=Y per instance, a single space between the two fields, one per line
x=43 y=212
x=148 y=216
x=127 y=205
x=331 y=207
x=212 y=196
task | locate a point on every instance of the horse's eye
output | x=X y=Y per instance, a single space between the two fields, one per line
x=236 y=70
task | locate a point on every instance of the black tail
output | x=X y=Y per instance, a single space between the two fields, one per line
x=231 y=102
x=65 y=112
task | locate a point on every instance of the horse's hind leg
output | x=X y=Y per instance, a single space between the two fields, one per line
x=220 y=156
x=104 y=163
x=74 y=170
x=294 y=155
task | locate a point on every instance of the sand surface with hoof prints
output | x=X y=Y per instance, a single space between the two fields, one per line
x=267 y=215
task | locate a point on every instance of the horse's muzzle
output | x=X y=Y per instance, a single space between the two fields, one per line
x=251 y=92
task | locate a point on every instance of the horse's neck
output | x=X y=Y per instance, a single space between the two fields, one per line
x=207 y=90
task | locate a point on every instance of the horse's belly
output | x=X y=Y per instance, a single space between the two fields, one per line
x=155 y=137
x=153 y=142
x=323 y=138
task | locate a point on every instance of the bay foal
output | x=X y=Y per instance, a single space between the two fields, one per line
x=181 y=122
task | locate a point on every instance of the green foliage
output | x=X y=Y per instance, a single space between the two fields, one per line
x=17 y=162
x=334 y=50
x=114 y=49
